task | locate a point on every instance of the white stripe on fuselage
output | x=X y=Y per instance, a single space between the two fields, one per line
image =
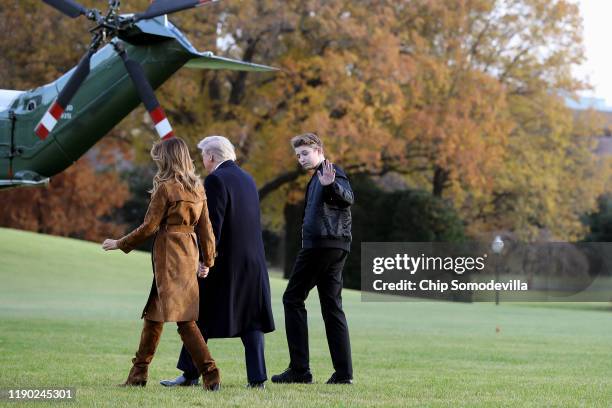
x=48 y=121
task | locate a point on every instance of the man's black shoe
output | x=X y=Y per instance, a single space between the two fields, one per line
x=292 y=376
x=180 y=381
x=260 y=385
x=336 y=379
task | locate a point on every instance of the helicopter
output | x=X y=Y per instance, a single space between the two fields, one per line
x=46 y=129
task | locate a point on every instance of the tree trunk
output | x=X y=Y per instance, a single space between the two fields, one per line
x=439 y=181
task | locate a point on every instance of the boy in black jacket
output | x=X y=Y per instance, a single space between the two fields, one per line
x=326 y=241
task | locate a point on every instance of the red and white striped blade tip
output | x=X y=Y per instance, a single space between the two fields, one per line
x=162 y=125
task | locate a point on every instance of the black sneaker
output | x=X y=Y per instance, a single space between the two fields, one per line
x=336 y=379
x=292 y=376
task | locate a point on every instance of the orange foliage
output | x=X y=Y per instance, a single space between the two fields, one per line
x=77 y=203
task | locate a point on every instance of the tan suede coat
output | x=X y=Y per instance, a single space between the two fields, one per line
x=179 y=219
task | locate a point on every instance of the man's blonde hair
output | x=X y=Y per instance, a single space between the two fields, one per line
x=307 y=139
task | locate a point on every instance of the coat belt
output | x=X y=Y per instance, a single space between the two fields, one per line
x=177 y=228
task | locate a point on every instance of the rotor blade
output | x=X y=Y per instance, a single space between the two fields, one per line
x=208 y=60
x=68 y=7
x=147 y=96
x=161 y=7
x=53 y=114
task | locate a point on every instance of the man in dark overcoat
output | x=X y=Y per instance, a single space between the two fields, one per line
x=235 y=292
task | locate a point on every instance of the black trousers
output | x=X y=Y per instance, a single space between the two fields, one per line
x=320 y=267
x=253 y=342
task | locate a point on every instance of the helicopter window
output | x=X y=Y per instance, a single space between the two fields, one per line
x=9 y=98
x=32 y=103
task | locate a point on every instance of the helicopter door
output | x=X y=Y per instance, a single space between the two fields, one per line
x=5 y=141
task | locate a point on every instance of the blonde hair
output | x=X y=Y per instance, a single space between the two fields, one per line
x=307 y=139
x=174 y=163
x=219 y=147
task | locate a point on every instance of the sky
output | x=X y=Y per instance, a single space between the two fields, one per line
x=597 y=16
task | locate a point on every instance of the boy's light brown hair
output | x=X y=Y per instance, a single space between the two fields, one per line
x=307 y=139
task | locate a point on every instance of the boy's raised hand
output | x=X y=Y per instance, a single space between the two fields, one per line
x=327 y=174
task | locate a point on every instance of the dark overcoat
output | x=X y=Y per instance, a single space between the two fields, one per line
x=235 y=297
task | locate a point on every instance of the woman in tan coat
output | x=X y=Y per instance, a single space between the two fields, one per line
x=178 y=217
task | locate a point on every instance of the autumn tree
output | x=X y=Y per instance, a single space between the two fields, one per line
x=461 y=98
x=77 y=203
x=538 y=171
x=464 y=98
x=80 y=201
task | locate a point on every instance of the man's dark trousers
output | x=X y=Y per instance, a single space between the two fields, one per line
x=253 y=342
x=320 y=267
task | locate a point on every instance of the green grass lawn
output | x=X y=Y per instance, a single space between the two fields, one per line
x=69 y=317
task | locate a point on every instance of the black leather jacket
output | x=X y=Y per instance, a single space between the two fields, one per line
x=327 y=214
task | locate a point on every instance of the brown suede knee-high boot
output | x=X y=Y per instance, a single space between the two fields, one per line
x=149 y=339
x=196 y=346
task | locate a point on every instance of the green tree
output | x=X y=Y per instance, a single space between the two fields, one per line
x=600 y=222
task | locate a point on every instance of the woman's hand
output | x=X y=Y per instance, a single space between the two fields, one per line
x=203 y=270
x=109 y=244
